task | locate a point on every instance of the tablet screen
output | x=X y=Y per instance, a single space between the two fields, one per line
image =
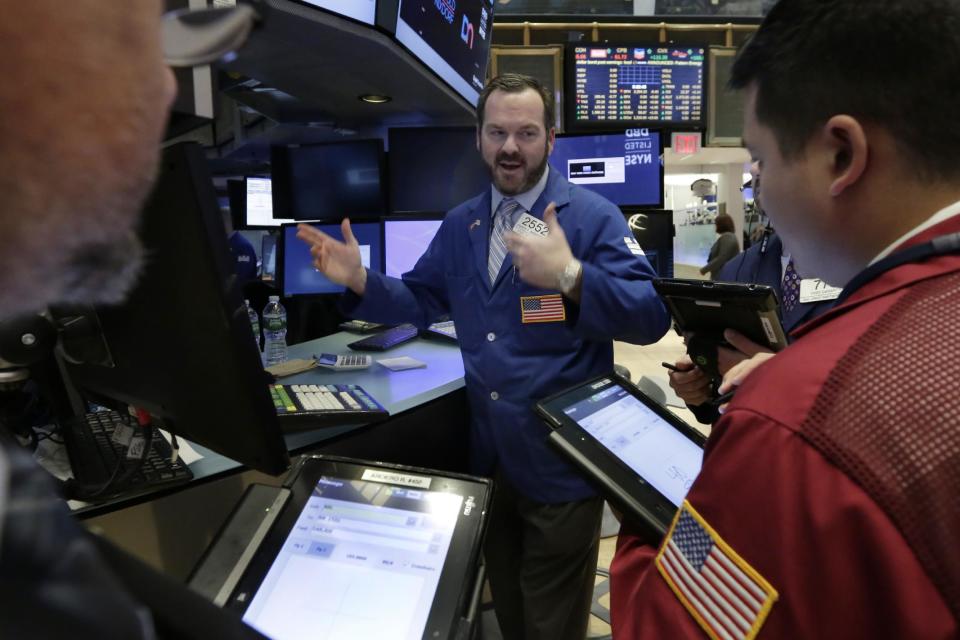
x=641 y=439
x=363 y=560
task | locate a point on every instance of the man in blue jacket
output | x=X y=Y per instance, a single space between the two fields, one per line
x=540 y=276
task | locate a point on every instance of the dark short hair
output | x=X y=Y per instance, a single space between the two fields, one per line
x=725 y=223
x=516 y=83
x=894 y=64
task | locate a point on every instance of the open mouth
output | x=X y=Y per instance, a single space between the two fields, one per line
x=510 y=165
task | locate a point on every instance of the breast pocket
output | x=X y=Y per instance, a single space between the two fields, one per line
x=543 y=325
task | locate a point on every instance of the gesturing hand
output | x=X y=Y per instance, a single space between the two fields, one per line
x=338 y=261
x=540 y=260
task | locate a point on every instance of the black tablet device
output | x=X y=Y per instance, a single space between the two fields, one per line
x=367 y=550
x=706 y=308
x=643 y=457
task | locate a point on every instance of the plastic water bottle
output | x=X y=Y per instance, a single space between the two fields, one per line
x=274 y=332
x=254 y=322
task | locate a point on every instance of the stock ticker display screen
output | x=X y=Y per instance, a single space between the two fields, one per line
x=637 y=84
x=452 y=37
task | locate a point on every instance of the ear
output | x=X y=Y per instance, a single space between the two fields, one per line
x=478 y=140
x=551 y=138
x=847 y=145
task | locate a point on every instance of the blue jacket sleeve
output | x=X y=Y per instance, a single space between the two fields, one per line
x=617 y=298
x=419 y=297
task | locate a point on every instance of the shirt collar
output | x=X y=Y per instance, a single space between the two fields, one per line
x=526 y=199
x=944 y=214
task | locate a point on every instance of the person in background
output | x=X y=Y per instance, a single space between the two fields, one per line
x=800 y=300
x=724 y=249
x=827 y=504
x=241 y=250
x=540 y=275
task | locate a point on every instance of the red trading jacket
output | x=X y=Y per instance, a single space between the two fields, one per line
x=829 y=500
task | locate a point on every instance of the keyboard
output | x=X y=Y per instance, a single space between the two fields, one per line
x=386 y=340
x=302 y=407
x=443 y=330
x=95 y=456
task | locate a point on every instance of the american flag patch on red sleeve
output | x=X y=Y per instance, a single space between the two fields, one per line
x=542 y=309
x=727 y=597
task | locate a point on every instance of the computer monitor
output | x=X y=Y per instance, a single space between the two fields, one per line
x=364 y=11
x=258 y=205
x=298 y=276
x=268 y=257
x=434 y=168
x=625 y=168
x=451 y=38
x=237 y=201
x=654 y=232
x=406 y=239
x=330 y=180
x=635 y=85
x=181 y=345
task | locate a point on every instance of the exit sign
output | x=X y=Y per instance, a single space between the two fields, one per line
x=685 y=144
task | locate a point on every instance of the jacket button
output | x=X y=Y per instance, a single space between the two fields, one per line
x=494 y=395
x=491 y=337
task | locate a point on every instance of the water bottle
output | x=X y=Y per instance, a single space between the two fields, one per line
x=254 y=322
x=274 y=332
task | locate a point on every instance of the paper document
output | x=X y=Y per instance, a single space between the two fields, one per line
x=402 y=363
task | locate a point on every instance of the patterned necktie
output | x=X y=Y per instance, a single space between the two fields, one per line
x=498 y=246
x=790 y=287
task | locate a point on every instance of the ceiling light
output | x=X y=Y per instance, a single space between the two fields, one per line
x=374 y=98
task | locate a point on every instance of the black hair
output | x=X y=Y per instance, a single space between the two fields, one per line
x=890 y=63
x=516 y=83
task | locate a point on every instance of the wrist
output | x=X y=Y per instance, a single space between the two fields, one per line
x=569 y=276
x=359 y=282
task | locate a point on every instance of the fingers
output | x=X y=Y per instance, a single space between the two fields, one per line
x=311 y=234
x=740 y=372
x=347 y=232
x=728 y=359
x=692 y=384
x=744 y=344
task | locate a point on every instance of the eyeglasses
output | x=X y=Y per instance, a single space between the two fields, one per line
x=192 y=37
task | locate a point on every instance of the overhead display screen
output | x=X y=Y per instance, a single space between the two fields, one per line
x=363 y=10
x=452 y=38
x=636 y=84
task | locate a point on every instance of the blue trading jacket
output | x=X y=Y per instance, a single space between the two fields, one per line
x=510 y=364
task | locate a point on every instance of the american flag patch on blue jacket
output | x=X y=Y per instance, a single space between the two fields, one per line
x=542 y=309
x=727 y=597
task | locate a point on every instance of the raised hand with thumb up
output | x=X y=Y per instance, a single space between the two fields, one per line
x=541 y=260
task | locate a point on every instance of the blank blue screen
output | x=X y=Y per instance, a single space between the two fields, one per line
x=299 y=275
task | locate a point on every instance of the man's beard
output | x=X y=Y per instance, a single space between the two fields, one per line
x=102 y=272
x=531 y=178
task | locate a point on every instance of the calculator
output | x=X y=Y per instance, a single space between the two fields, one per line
x=348 y=362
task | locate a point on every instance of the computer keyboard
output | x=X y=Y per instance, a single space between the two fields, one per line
x=443 y=330
x=386 y=340
x=302 y=407
x=96 y=459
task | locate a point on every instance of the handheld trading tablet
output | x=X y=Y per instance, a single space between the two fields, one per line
x=707 y=308
x=364 y=550
x=644 y=458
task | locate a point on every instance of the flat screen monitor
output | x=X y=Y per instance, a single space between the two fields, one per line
x=434 y=168
x=364 y=11
x=258 y=208
x=654 y=232
x=298 y=276
x=626 y=168
x=181 y=345
x=405 y=240
x=451 y=38
x=329 y=180
x=635 y=85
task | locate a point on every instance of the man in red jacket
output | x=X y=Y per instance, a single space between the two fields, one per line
x=829 y=500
